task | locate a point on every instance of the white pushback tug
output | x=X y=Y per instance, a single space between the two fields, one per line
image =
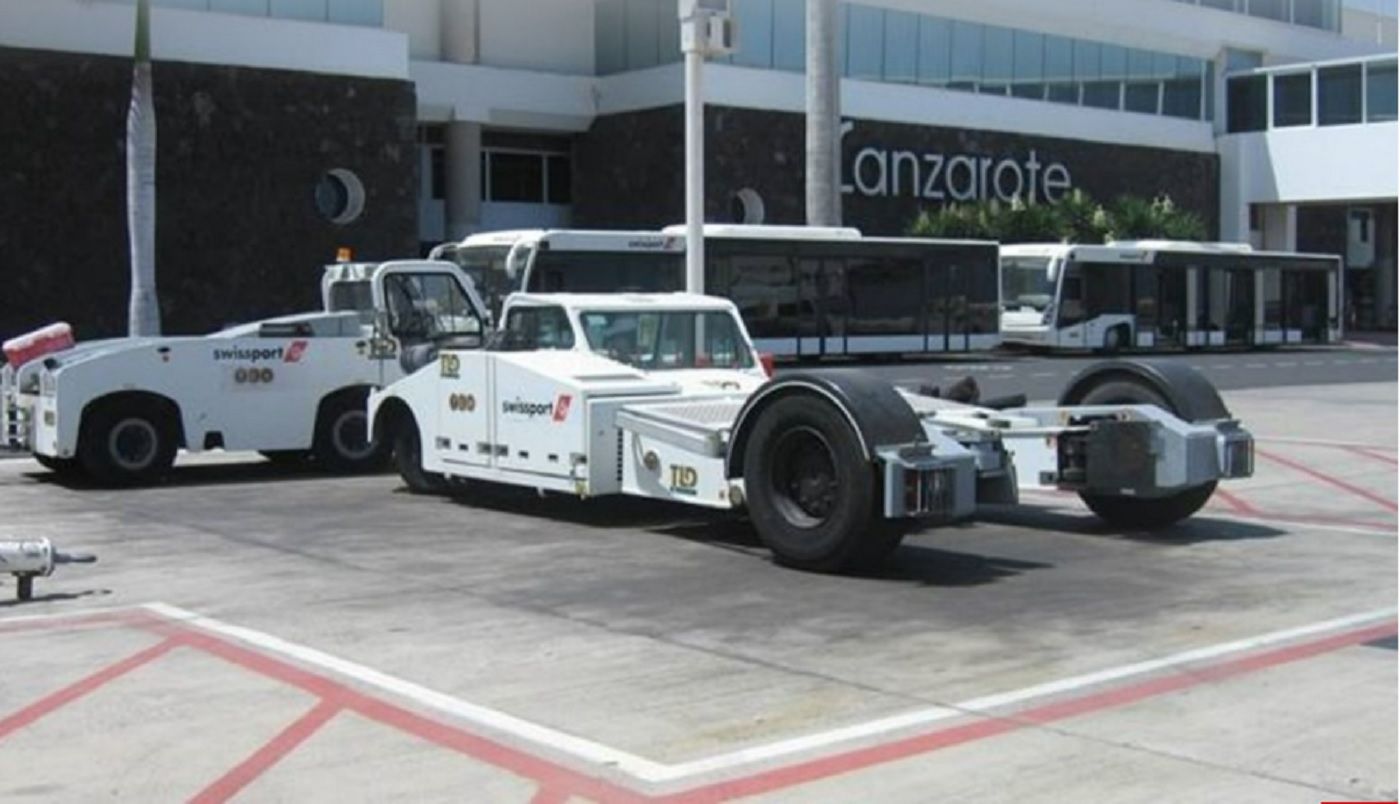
x=662 y=396
x=291 y=387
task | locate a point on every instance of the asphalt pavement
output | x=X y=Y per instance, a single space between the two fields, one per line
x=256 y=634
x=1042 y=377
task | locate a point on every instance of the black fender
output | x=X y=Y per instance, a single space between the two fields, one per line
x=1191 y=395
x=876 y=411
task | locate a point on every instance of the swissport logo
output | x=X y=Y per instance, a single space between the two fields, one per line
x=292 y=353
x=561 y=407
x=558 y=410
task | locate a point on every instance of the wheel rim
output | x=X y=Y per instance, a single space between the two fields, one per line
x=350 y=435
x=133 y=444
x=805 y=486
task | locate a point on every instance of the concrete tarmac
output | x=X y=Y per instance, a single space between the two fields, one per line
x=322 y=639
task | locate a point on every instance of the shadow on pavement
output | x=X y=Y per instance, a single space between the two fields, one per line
x=1197 y=529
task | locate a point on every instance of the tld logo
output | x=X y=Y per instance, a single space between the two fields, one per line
x=294 y=352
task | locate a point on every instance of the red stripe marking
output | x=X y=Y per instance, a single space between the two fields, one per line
x=271 y=752
x=1328 y=479
x=549 y=795
x=98 y=620
x=547 y=773
x=1364 y=452
x=72 y=692
x=1235 y=502
x=814 y=770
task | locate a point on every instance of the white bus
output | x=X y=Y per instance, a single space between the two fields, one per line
x=1140 y=295
x=803 y=291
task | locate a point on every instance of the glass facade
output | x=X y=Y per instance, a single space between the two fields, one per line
x=1323 y=14
x=903 y=47
x=1332 y=94
x=369 y=13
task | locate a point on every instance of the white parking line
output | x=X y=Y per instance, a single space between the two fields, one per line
x=655 y=772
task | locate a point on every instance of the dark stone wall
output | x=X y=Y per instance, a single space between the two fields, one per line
x=628 y=168
x=240 y=152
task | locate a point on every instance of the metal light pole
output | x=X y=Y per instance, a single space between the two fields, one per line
x=706 y=30
x=823 y=116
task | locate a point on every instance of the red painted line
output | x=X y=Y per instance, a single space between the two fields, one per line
x=99 y=620
x=1364 y=452
x=1236 y=503
x=1328 y=479
x=1380 y=528
x=61 y=698
x=549 y=795
x=547 y=773
x=271 y=752
x=860 y=759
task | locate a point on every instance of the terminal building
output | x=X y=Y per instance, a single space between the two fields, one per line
x=292 y=127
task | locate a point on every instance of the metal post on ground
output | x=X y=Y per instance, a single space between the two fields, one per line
x=706 y=30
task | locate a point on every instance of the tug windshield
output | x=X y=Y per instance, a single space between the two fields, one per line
x=660 y=340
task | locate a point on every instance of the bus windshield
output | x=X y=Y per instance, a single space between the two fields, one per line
x=1025 y=283
x=667 y=340
x=486 y=265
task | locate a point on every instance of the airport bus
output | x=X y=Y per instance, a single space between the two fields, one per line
x=803 y=291
x=1143 y=295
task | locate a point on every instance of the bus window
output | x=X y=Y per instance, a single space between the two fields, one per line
x=983 y=316
x=606 y=272
x=765 y=289
x=1144 y=294
x=530 y=328
x=1071 y=310
x=884 y=296
x=1273 y=299
x=486 y=265
x=1026 y=284
x=1106 y=289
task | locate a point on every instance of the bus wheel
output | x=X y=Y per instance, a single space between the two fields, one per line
x=343 y=443
x=408 y=459
x=1115 y=339
x=811 y=493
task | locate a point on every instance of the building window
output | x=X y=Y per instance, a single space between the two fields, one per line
x=790 y=35
x=1339 y=95
x=1293 y=100
x=526 y=177
x=935 y=50
x=755 y=33
x=901 y=47
x=865 y=36
x=1269 y=9
x=1380 y=92
x=1247 y=99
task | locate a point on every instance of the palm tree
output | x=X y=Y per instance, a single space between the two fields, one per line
x=823 y=116
x=144 y=313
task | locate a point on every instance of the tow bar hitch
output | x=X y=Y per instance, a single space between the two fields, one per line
x=32 y=558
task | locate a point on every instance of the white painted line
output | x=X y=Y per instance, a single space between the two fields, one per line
x=1287 y=364
x=1256 y=365
x=569 y=744
x=655 y=772
x=1223 y=366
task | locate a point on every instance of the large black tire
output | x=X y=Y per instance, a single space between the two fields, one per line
x=65 y=468
x=1141 y=513
x=812 y=495
x=1115 y=340
x=287 y=458
x=343 y=441
x=408 y=458
x=127 y=442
